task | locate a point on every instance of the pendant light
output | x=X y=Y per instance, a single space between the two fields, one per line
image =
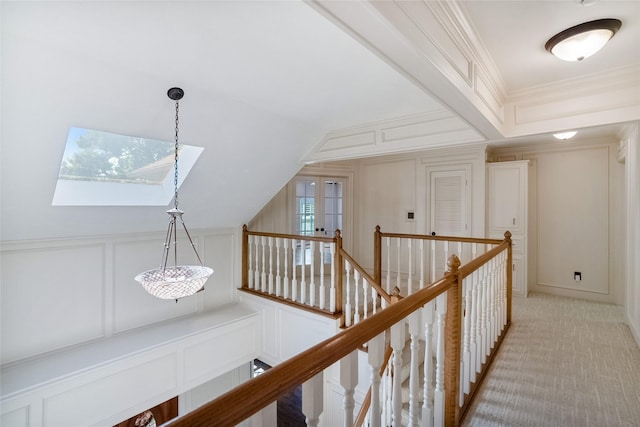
x=177 y=281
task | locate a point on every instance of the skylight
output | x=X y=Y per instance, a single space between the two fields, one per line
x=107 y=169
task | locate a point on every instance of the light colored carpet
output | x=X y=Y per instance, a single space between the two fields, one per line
x=564 y=362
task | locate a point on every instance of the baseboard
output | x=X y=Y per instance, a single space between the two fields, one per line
x=634 y=332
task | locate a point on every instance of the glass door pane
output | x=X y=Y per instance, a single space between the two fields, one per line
x=333 y=202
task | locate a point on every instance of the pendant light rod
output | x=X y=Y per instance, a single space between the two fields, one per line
x=180 y=280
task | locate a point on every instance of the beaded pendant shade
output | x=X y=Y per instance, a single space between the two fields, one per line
x=177 y=281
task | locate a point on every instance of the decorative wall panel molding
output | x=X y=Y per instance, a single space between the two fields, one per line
x=110 y=380
x=590 y=101
x=45 y=280
x=413 y=133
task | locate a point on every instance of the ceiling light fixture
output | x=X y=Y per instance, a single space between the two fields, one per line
x=178 y=281
x=565 y=135
x=583 y=40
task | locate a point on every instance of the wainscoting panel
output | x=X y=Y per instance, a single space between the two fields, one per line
x=132 y=305
x=287 y=331
x=150 y=378
x=220 y=253
x=220 y=351
x=107 y=381
x=43 y=283
x=16 y=418
x=41 y=287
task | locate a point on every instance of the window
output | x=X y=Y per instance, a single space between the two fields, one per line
x=106 y=169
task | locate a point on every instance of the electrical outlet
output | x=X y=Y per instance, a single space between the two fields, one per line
x=577 y=276
x=411 y=216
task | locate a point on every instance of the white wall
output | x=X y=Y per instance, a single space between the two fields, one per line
x=578 y=204
x=630 y=147
x=63 y=292
x=78 y=331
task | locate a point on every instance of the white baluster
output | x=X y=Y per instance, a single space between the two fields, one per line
x=375 y=355
x=270 y=241
x=388 y=241
x=483 y=315
x=477 y=308
x=349 y=381
x=503 y=274
x=386 y=395
x=397 y=344
x=256 y=271
x=466 y=335
x=303 y=274
x=285 y=243
x=263 y=283
x=374 y=300
x=428 y=388
x=487 y=337
x=473 y=327
x=414 y=387
x=421 y=263
x=494 y=288
x=438 y=398
x=250 y=254
x=312 y=398
x=365 y=300
x=332 y=290
x=278 y=278
x=294 y=281
x=460 y=251
x=312 y=285
x=398 y=251
x=347 y=306
x=433 y=261
x=322 y=287
x=356 y=296
x=409 y=284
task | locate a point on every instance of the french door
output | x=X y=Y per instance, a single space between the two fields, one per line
x=318 y=211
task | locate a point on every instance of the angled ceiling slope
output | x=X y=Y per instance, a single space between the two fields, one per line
x=263 y=81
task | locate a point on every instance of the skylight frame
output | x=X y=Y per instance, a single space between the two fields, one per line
x=72 y=192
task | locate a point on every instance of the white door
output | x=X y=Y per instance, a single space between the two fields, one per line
x=449 y=202
x=319 y=209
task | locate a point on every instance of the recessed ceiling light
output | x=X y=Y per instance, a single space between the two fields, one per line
x=565 y=135
x=583 y=40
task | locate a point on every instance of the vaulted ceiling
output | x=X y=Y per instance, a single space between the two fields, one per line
x=270 y=85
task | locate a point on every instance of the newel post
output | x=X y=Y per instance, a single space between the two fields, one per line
x=507 y=238
x=452 y=344
x=377 y=256
x=245 y=256
x=339 y=266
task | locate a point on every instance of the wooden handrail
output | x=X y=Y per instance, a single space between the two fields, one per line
x=477 y=262
x=372 y=282
x=292 y=236
x=441 y=238
x=250 y=397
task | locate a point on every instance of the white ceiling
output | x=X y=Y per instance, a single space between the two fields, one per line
x=516 y=31
x=264 y=81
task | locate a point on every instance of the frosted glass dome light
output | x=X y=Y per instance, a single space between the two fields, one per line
x=582 y=41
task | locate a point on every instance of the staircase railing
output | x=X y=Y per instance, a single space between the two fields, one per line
x=462 y=318
x=309 y=272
